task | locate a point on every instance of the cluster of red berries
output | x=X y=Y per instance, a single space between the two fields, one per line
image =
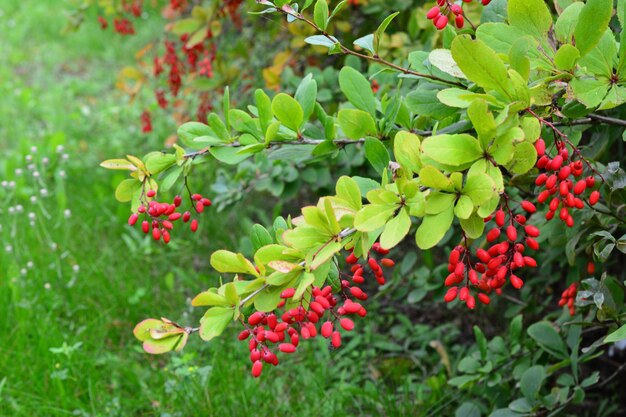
x=495 y=265
x=372 y=263
x=562 y=182
x=197 y=58
x=160 y=216
x=446 y=11
x=568 y=298
x=318 y=312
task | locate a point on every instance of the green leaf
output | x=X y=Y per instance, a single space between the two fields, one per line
x=464 y=207
x=159 y=162
x=376 y=154
x=442 y=59
x=380 y=31
x=118 y=164
x=226 y=261
x=158 y=346
x=566 y=23
x=481 y=64
x=366 y=42
x=433 y=228
x=373 y=216
x=228 y=155
x=481 y=341
x=321 y=40
x=548 y=338
x=126 y=188
x=320 y=14
x=566 y=57
x=306 y=94
x=473 y=227
x=356 y=124
x=260 y=237
x=433 y=178
x=264 y=107
x=395 y=230
x=438 y=202
x=348 y=190
x=531 y=16
x=524 y=158
x=215 y=321
x=467 y=409
x=357 y=90
x=617 y=335
x=531 y=381
x=452 y=150
x=483 y=121
x=209 y=298
x=191 y=130
x=288 y=111
x=406 y=149
x=592 y=23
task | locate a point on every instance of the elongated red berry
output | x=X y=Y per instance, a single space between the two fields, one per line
x=151 y=193
x=591 y=181
x=484 y=298
x=511 y=233
x=516 y=281
x=387 y=263
x=255 y=318
x=459 y=21
x=178 y=201
x=133 y=219
x=257 y=368
x=287 y=348
x=327 y=329
x=346 y=324
x=156 y=233
x=594 y=197
x=451 y=294
x=336 y=339
x=493 y=234
x=528 y=207
x=540 y=146
x=531 y=230
x=470 y=302
x=591 y=268
x=432 y=13
x=500 y=217
x=441 y=22
x=194 y=225
x=288 y=293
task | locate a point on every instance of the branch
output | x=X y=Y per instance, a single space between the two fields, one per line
x=288 y=10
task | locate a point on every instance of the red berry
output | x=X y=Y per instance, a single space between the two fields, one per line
x=151 y=193
x=244 y=335
x=133 y=219
x=594 y=197
x=591 y=268
x=591 y=181
x=511 y=233
x=206 y=202
x=194 y=225
x=327 y=329
x=156 y=233
x=287 y=348
x=484 y=298
x=540 y=146
x=493 y=234
x=351 y=259
x=456 y=9
x=432 y=13
x=336 y=339
x=531 y=231
x=257 y=367
x=288 y=293
x=145 y=226
x=346 y=324
x=528 y=207
x=441 y=22
x=255 y=318
x=387 y=263
x=177 y=201
x=196 y=197
x=451 y=294
x=459 y=21
x=516 y=282
x=186 y=216
x=500 y=217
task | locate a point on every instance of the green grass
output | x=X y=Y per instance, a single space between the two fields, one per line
x=66 y=322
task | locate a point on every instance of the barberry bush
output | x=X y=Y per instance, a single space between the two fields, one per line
x=494 y=154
